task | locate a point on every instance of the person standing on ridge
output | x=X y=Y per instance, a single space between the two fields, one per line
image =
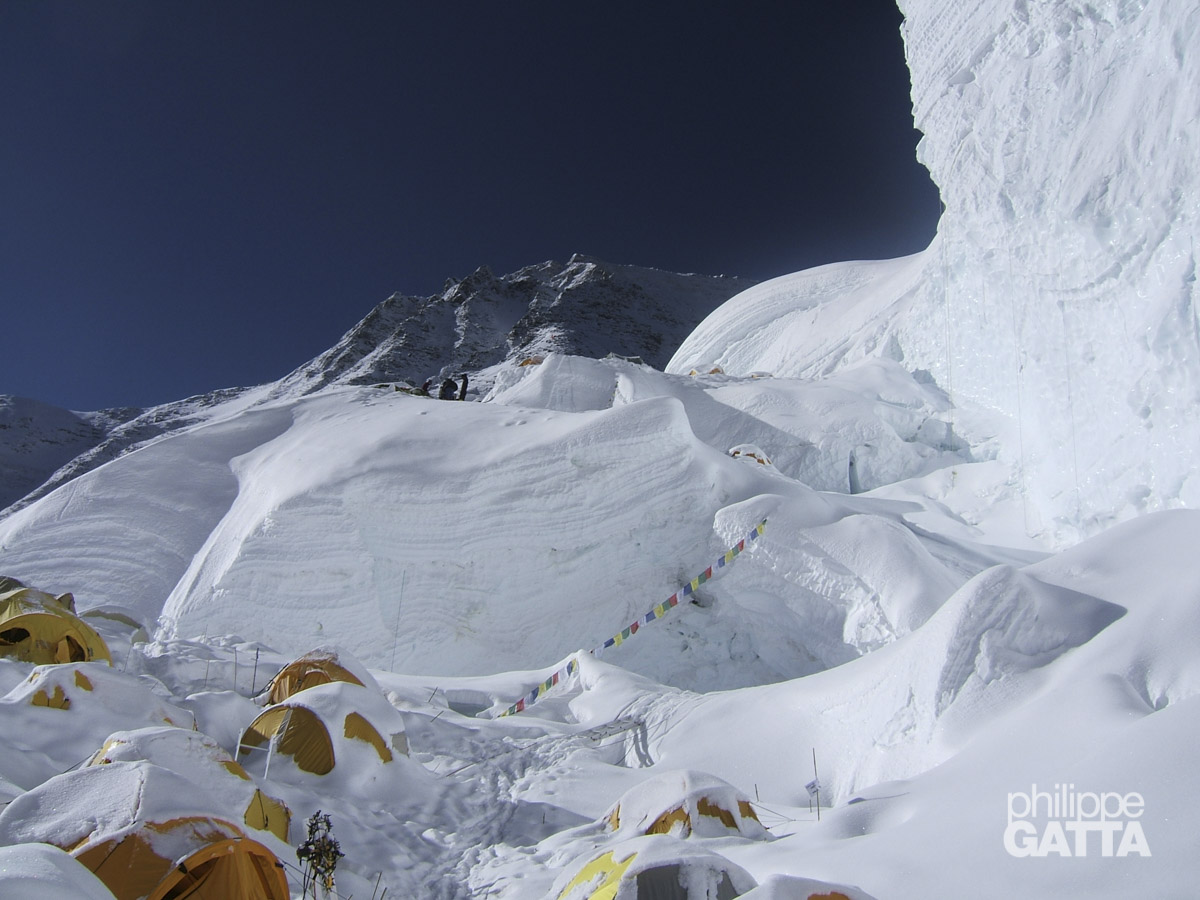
x=462 y=391
x=447 y=390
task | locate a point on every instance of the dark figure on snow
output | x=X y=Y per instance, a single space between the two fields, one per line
x=424 y=389
x=448 y=390
x=462 y=391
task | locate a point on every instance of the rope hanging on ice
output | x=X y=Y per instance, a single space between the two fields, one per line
x=657 y=613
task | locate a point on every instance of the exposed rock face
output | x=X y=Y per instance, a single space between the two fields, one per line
x=586 y=307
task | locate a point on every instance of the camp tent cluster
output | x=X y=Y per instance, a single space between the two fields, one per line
x=159 y=810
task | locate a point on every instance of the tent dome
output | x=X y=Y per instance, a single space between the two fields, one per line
x=321 y=665
x=654 y=867
x=147 y=833
x=198 y=758
x=685 y=803
x=40 y=628
x=345 y=731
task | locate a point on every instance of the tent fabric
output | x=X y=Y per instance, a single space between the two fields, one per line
x=321 y=725
x=655 y=867
x=96 y=696
x=602 y=876
x=139 y=827
x=197 y=756
x=219 y=862
x=39 y=628
x=360 y=729
x=666 y=883
x=231 y=869
x=268 y=814
x=685 y=803
x=320 y=666
x=301 y=735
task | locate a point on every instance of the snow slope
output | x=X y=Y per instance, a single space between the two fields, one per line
x=36 y=439
x=451 y=538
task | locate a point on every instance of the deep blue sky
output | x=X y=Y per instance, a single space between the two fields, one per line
x=206 y=194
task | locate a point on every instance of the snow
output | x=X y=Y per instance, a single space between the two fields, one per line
x=42 y=870
x=1060 y=291
x=976 y=580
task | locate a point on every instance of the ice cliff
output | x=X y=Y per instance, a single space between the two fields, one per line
x=1060 y=290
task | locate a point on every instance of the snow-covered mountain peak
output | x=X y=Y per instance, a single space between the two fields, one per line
x=587 y=306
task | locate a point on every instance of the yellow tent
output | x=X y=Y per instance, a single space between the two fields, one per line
x=685 y=803
x=198 y=758
x=294 y=731
x=318 y=725
x=320 y=666
x=657 y=867
x=217 y=861
x=148 y=834
x=39 y=628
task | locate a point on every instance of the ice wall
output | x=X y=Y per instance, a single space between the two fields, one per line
x=1061 y=287
x=1059 y=292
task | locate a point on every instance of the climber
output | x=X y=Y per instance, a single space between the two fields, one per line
x=447 y=390
x=462 y=391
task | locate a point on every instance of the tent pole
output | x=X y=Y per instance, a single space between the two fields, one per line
x=818 y=781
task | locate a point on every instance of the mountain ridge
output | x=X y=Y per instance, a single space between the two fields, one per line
x=477 y=324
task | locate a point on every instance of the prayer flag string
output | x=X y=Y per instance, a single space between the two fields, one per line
x=625 y=634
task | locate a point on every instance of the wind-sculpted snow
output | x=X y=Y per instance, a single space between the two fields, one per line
x=457 y=537
x=1060 y=290
x=129 y=530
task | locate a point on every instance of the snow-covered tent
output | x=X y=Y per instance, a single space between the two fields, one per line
x=147 y=833
x=685 y=803
x=789 y=887
x=322 y=727
x=60 y=714
x=40 y=628
x=87 y=688
x=43 y=870
x=198 y=758
x=321 y=665
x=654 y=867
